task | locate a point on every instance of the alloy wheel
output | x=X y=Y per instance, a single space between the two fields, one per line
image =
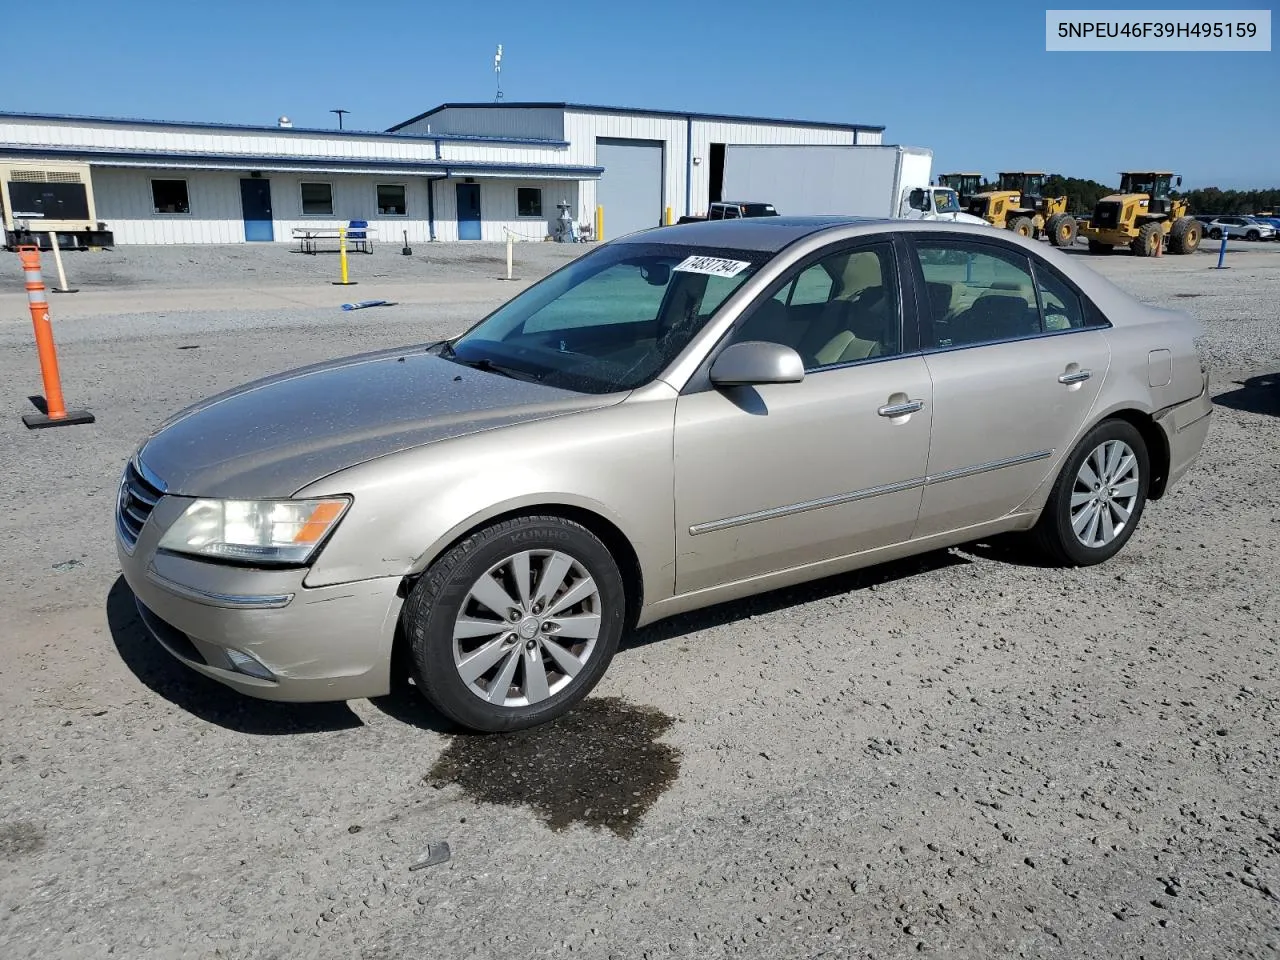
x=527 y=627
x=1105 y=493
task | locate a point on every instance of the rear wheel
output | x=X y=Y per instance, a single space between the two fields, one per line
x=516 y=624
x=1062 y=230
x=1185 y=235
x=1144 y=244
x=1215 y=234
x=1097 y=246
x=1098 y=497
x=1022 y=226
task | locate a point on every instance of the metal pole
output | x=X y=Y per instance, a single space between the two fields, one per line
x=508 y=254
x=342 y=255
x=57 y=259
x=1222 y=252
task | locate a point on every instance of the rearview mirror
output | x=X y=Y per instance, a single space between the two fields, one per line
x=657 y=274
x=756 y=362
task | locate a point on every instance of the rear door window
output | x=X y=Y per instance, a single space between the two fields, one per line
x=976 y=293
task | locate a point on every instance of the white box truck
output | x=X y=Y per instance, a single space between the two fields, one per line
x=861 y=181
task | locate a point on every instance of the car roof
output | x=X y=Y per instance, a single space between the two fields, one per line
x=772 y=234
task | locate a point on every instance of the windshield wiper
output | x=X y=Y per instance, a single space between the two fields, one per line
x=488 y=366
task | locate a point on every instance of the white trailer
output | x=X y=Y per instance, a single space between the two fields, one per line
x=863 y=181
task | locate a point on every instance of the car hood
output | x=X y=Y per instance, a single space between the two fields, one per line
x=272 y=437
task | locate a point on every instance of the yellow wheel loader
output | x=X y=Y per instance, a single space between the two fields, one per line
x=966 y=185
x=1143 y=216
x=1019 y=204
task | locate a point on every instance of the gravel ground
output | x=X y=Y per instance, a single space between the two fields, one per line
x=962 y=753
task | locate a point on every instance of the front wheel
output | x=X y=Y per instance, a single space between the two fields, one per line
x=1215 y=234
x=516 y=624
x=1253 y=235
x=1098 y=497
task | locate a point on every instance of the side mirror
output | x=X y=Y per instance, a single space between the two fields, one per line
x=1179 y=183
x=756 y=362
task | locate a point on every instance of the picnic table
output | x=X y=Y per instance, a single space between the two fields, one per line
x=359 y=237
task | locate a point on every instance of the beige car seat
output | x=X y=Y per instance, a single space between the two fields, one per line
x=852 y=323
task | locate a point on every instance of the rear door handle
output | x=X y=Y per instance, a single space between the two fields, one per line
x=1078 y=376
x=901 y=409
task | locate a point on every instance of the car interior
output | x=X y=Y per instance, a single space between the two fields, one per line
x=857 y=320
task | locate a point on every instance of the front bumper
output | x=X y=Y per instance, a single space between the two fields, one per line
x=1185 y=427
x=302 y=643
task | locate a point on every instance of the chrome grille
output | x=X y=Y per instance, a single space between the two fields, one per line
x=137 y=499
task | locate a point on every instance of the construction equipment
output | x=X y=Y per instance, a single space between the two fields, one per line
x=966 y=185
x=1142 y=215
x=50 y=197
x=1018 y=203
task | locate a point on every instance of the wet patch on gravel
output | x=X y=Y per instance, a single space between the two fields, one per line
x=601 y=766
x=20 y=838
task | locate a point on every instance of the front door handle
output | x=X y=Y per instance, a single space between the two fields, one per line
x=901 y=409
x=1076 y=376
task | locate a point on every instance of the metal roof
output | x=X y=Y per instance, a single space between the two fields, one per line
x=640 y=111
x=281 y=131
x=229 y=161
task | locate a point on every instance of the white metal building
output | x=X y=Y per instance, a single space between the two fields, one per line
x=651 y=159
x=460 y=171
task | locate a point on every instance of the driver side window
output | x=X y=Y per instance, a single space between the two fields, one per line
x=843 y=308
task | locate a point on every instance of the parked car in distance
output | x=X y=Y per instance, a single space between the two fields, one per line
x=1269 y=221
x=681 y=417
x=731 y=210
x=1239 y=228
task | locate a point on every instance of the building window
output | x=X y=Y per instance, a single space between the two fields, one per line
x=528 y=202
x=391 y=200
x=170 y=196
x=317 y=199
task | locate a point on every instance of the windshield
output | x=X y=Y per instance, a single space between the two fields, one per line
x=610 y=321
x=946 y=201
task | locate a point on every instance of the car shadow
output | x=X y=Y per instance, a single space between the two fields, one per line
x=206 y=698
x=404 y=703
x=1260 y=394
x=775 y=600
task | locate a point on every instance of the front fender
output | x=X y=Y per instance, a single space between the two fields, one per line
x=616 y=462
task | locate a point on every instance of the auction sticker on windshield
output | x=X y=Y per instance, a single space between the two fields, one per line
x=713 y=266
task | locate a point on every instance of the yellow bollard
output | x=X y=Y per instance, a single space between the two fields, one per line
x=667 y=221
x=342 y=255
x=599 y=223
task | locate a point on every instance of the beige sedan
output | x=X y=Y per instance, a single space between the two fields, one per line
x=688 y=415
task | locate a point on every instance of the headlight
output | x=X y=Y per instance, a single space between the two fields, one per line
x=255 y=531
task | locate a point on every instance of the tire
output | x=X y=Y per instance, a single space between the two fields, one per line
x=1097 y=246
x=1054 y=533
x=1022 y=226
x=1253 y=235
x=443 y=603
x=1215 y=234
x=1185 y=235
x=1144 y=244
x=1062 y=229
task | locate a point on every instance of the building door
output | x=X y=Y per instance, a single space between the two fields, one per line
x=631 y=186
x=255 y=201
x=468 y=211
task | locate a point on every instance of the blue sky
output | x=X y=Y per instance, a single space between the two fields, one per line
x=971 y=81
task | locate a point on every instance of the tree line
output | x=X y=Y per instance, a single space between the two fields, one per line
x=1083 y=195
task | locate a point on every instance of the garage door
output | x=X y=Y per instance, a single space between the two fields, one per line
x=631 y=186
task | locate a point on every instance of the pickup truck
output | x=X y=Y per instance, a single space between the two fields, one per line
x=730 y=210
